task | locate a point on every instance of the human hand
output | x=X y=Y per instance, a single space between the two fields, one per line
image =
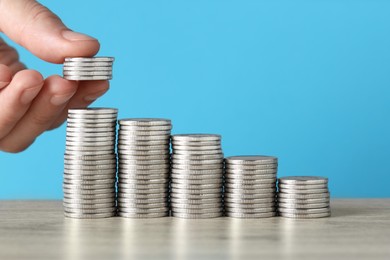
x=29 y=104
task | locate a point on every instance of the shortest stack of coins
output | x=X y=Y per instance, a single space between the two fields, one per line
x=95 y=68
x=197 y=175
x=90 y=163
x=144 y=164
x=250 y=186
x=303 y=197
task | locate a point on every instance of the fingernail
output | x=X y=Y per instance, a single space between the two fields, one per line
x=94 y=96
x=74 y=36
x=29 y=94
x=3 y=84
x=58 y=100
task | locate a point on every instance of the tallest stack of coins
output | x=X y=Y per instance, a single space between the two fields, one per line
x=90 y=163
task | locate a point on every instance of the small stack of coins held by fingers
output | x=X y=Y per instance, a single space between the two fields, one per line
x=95 y=68
x=144 y=165
x=250 y=186
x=197 y=175
x=303 y=197
x=90 y=163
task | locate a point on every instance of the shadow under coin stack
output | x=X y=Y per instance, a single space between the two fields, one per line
x=95 y=68
x=197 y=175
x=90 y=163
x=303 y=197
x=250 y=186
x=144 y=165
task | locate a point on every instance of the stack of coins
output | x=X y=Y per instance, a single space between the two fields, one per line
x=144 y=165
x=250 y=186
x=90 y=163
x=303 y=197
x=197 y=175
x=96 y=68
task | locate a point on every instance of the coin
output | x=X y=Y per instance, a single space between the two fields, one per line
x=196 y=137
x=303 y=179
x=143 y=215
x=89 y=216
x=305 y=216
x=251 y=160
x=303 y=211
x=197 y=216
x=302 y=191
x=250 y=215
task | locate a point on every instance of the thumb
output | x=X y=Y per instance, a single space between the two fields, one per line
x=36 y=28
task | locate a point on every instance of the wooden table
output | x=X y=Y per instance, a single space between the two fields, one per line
x=358 y=229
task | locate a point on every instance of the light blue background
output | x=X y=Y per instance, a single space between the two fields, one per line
x=307 y=81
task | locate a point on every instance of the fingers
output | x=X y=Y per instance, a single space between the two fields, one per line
x=47 y=106
x=10 y=57
x=16 y=98
x=88 y=92
x=5 y=76
x=40 y=31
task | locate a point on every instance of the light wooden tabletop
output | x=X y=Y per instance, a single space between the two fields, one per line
x=358 y=229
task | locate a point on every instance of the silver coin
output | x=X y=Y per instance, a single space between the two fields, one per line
x=251 y=167
x=76 y=178
x=303 y=180
x=143 y=143
x=196 y=186
x=251 y=160
x=89 y=206
x=143 y=182
x=89 y=167
x=304 y=211
x=89 y=140
x=201 y=152
x=303 y=201
x=250 y=201
x=197 y=216
x=196 y=143
x=196 y=177
x=143 y=211
x=143 y=196
x=89 y=211
x=78 y=117
x=305 y=216
x=93 y=110
x=108 y=173
x=87 y=77
x=197 y=167
x=183 y=207
x=142 y=138
x=145 y=121
x=250 y=181
x=197 y=162
x=146 y=152
x=249 y=215
x=143 y=186
x=78 y=196
x=89 y=68
x=132 y=172
x=89 y=216
x=88 y=186
x=87 y=73
x=87 y=134
x=250 y=186
x=238 y=206
x=88 y=192
x=196 y=137
x=218 y=181
x=195 y=196
x=145 y=215
x=128 y=133
x=216 y=190
x=213 y=172
x=142 y=147
x=93 y=114
x=251 y=210
x=144 y=162
x=145 y=128
x=196 y=148
x=70 y=129
x=303 y=206
x=85 y=162
x=143 y=157
x=143 y=205
x=307 y=191
x=143 y=201
x=156 y=190
x=82 y=121
x=89 y=182
x=184 y=157
x=244 y=196
x=122 y=177
x=256 y=191
x=90 y=157
x=196 y=211
x=253 y=177
x=68 y=64
x=196 y=201
x=302 y=187
x=92 y=59
x=123 y=167
x=240 y=172
x=89 y=201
